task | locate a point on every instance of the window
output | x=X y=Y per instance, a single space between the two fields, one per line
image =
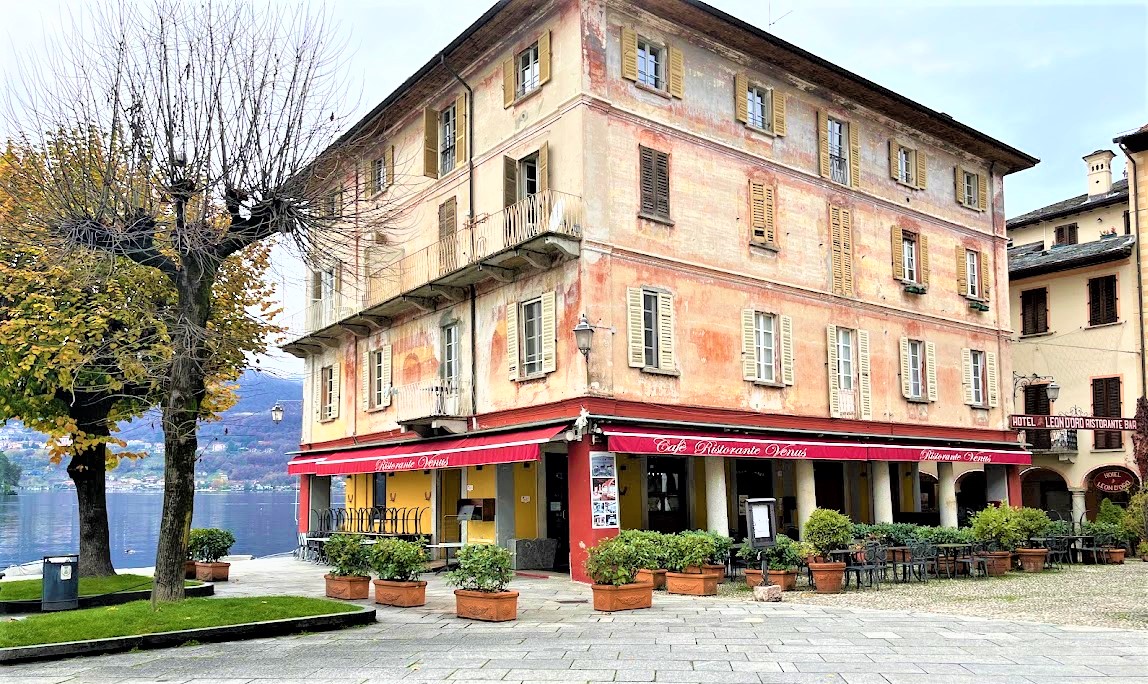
x=335 y=204
x=845 y=375
x=906 y=163
x=380 y=377
x=969 y=187
x=378 y=175
x=1106 y=402
x=760 y=108
x=651 y=64
x=909 y=257
x=447 y=122
x=765 y=345
x=528 y=176
x=762 y=207
x=526 y=65
x=1036 y=404
x=918 y=370
x=650 y=328
x=655 y=183
x=973 y=273
x=977 y=377
x=1102 y=300
x=1034 y=311
x=450 y=361
x=1066 y=234
x=532 y=337
x=916 y=357
x=327 y=393
x=838 y=151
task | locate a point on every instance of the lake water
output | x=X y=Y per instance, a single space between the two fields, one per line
x=37 y=524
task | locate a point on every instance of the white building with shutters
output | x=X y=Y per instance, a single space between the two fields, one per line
x=758 y=238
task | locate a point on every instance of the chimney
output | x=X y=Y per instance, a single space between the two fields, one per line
x=1099 y=172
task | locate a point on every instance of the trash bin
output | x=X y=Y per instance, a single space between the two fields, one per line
x=61 y=583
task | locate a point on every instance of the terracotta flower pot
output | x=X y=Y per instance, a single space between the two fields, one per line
x=752 y=577
x=898 y=555
x=715 y=569
x=499 y=606
x=609 y=598
x=189 y=569
x=655 y=577
x=1114 y=556
x=348 y=587
x=1032 y=560
x=401 y=594
x=997 y=563
x=212 y=572
x=691 y=583
x=786 y=579
x=827 y=577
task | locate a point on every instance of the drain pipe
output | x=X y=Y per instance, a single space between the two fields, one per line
x=470 y=215
x=1134 y=209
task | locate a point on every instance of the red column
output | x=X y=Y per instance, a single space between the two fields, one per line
x=582 y=532
x=304 y=503
x=1015 y=497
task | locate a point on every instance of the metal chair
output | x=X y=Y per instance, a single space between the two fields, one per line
x=922 y=555
x=872 y=563
x=976 y=560
x=1059 y=552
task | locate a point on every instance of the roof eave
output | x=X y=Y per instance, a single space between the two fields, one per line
x=1082 y=262
x=1079 y=209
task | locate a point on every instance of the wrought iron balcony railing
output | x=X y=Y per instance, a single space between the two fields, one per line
x=432 y=399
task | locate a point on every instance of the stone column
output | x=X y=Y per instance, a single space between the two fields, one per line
x=882 y=492
x=504 y=504
x=806 y=493
x=717 y=501
x=915 y=474
x=1079 y=507
x=947 y=494
x=996 y=482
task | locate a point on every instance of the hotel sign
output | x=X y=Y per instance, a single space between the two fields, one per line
x=1026 y=422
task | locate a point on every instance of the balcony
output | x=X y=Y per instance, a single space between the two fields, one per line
x=533 y=234
x=839 y=169
x=1052 y=441
x=433 y=404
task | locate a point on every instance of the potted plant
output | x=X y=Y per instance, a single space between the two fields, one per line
x=783 y=558
x=481 y=577
x=827 y=530
x=398 y=563
x=612 y=565
x=686 y=555
x=1033 y=522
x=752 y=559
x=650 y=548
x=999 y=527
x=1142 y=551
x=715 y=563
x=1110 y=537
x=350 y=561
x=207 y=546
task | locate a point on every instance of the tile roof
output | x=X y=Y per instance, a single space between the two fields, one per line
x=1119 y=193
x=1025 y=261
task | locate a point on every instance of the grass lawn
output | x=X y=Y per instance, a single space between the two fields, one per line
x=29 y=590
x=138 y=617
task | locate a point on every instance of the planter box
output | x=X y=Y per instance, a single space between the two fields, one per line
x=1032 y=560
x=715 y=569
x=828 y=577
x=753 y=577
x=1114 y=556
x=610 y=598
x=189 y=569
x=349 y=588
x=483 y=605
x=691 y=583
x=997 y=563
x=401 y=594
x=785 y=579
x=655 y=577
x=211 y=572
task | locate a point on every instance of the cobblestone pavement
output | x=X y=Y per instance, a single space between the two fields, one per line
x=558 y=637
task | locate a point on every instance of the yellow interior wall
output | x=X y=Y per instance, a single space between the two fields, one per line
x=866 y=492
x=358 y=492
x=905 y=472
x=698 y=477
x=526 y=512
x=482 y=484
x=631 y=481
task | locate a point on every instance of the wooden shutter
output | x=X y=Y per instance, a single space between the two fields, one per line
x=549 y=335
x=786 y=349
x=336 y=381
x=430 y=143
x=387 y=380
x=836 y=251
x=544 y=167
x=1106 y=401
x=369 y=178
x=991 y=379
x=315 y=373
x=777 y=101
x=648 y=183
x=662 y=175
x=447 y=218
x=365 y=378
x=959 y=184
x=629 y=54
x=1095 y=306
x=757 y=217
x=741 y=97
x=677 y=73
x=509 y=181
x=460 y=114
x=770 y=215
x=854 y=154
x=512 y=353
x=666 y=360
x=923 y=258
x=897 y=246
x=509 y=82
x=962 y=271
x=967 y=375
x=847 y=252
x=865 y=382
x=906 y=370
x=922 y=175
x=831 y=362
x=823 y=142
x=982 y=191
x=635 y=338
x=894 y=160
x=986 y=276
x=544 y=58
x=748 y=344
x=389 y=164
x=931 y=370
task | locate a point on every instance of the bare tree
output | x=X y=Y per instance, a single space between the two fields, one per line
x=231 y=110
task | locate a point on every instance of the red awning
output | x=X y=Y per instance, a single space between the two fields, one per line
x=459 y=452
x=676 y=443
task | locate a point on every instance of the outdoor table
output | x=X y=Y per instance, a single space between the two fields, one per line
x=950 y=553
x=904 y=550
x=446 y=547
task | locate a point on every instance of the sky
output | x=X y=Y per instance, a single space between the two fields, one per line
x=1055 y=80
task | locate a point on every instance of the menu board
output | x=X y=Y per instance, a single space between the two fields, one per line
x=603 y=490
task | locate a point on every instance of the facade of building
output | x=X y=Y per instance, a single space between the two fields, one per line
x=1076 y=291
x=794 y=278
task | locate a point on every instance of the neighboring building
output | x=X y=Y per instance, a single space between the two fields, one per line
x=794 y=275
x=1076 y=296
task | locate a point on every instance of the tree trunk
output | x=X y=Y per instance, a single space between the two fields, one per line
x=87 y=470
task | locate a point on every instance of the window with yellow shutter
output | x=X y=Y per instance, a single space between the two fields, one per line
x=907 y=165
x=767 y=353
x=650 y=313
x=762 y=214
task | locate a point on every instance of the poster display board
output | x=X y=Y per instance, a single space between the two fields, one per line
x=603 y=491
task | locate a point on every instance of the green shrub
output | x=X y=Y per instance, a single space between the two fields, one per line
x=1109 y=512
x=482 y=567
x=348 y=556
x=947 y=535
x=1105 y=533
x=1032 y=522
x=1134 y=515
x=612 y=561
x=827 y=530
x=999 y=525
x=398 y=560
x=688 y=550
x=1142 y=549
x=785 y=554
x=1059 y=528
x=721 y=545
x=652 y=548
x=209 y=544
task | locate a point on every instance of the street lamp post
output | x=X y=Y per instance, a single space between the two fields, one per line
x=584 y=339
x=1052 y=390
x=277 y=411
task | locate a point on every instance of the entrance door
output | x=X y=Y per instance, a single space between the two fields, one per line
x=450 y=491
x=557 y=520
x=666 y=493
x=829 y=484
x=754 y=480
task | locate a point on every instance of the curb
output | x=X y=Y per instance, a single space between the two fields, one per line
x=101 y=600
x=248 y=630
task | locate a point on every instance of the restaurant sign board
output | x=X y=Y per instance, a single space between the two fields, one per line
x=1031 y=422
x=1113 y=480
